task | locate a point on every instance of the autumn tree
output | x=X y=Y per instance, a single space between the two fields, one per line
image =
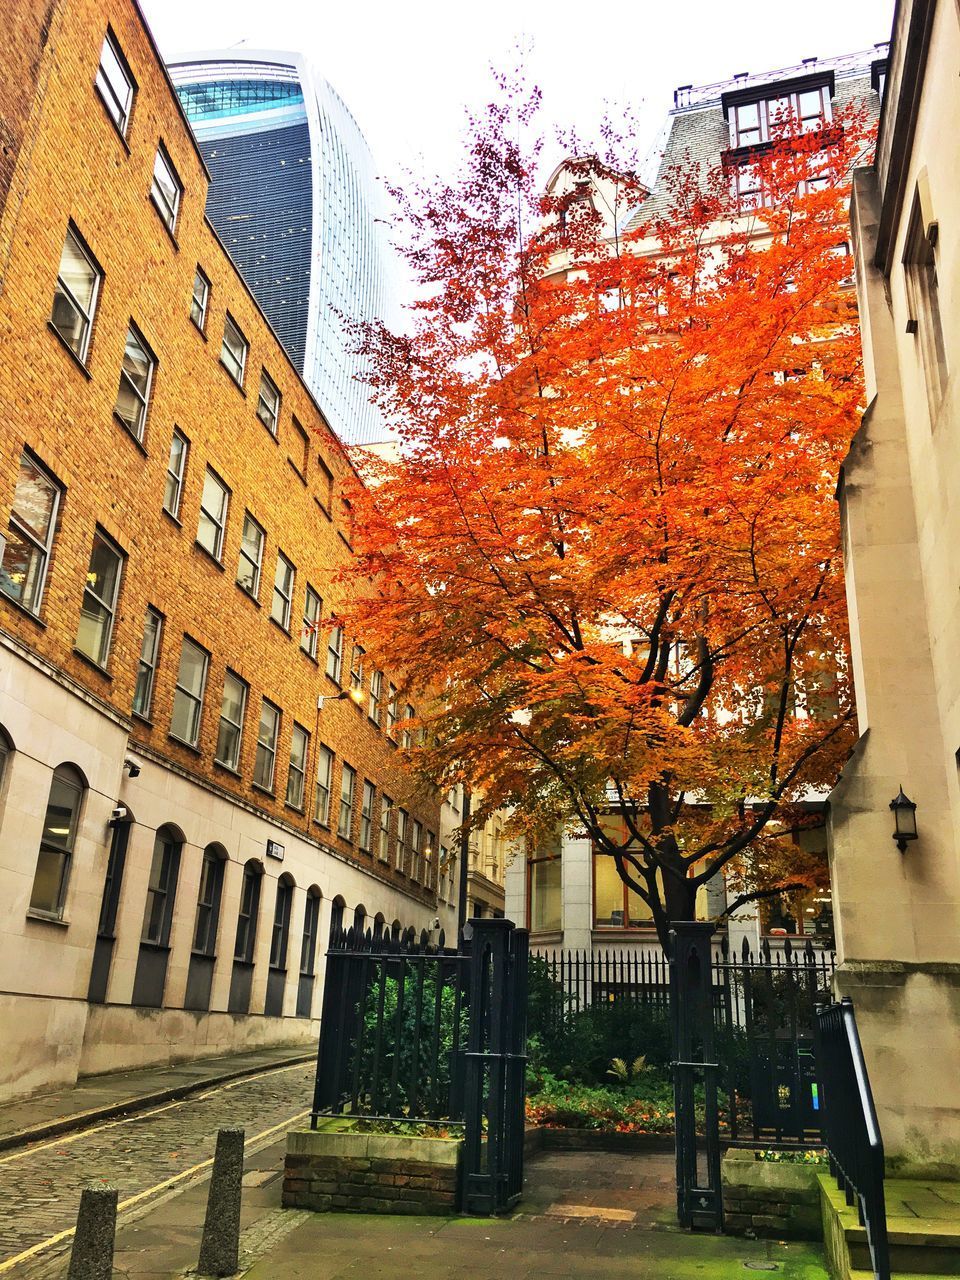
x=606 y=558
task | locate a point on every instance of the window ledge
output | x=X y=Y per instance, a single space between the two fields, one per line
x=203 y=955
x=142 y=719
x=226 y=768
x=131 y=434
x=280 y=626
x=375 y=723
x=171 y=517
x=311 y=657
x=203 y=335
x=239 y=962
x=294 y=808
x=150 y=945
x=209 y=555
x=163 y=221
x=46 y=917
x=70 y=351
x=238 y=385
x=182 y=742
x=101 y=671
x=248 y=595
x=264 y=791
x=278 y=968
x=106 y=111
x=274 y=435
x=27 y=613
x=296 y=470
x=336 y=683
x=346 y=541
x=323 y=508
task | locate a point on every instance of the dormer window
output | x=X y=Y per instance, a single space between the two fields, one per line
x=765 y=118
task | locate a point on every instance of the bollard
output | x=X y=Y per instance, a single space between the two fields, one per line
x=92 y=1255
x=220 y=1248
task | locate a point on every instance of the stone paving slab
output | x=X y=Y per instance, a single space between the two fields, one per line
x=95 y=1098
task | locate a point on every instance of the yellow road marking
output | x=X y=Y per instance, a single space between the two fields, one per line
x=32 y=1252
x=142 y=1115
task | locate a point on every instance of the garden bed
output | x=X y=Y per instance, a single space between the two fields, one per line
x=343 y=1166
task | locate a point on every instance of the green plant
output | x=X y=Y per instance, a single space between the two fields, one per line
x=619 y=1069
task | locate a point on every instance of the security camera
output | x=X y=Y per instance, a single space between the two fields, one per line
x=132 y=768
x=119 y=814
x=436 y=922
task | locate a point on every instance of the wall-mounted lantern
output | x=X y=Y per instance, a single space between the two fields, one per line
x=904 y=820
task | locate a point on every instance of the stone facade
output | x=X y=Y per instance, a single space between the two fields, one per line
x=114 y=970
x=370 y=1173
x=898 y=913
x=770 y=1199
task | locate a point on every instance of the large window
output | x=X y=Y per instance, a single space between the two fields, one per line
x=147 y=666
x=268 y=403
x=208 y=901
x=249 y=910
x=200 y=300
x=356 y=671
x=366 y=817
x=99 y=603
x=213 y=514
x=282 y=591
x=375 y=701
x=416 y=849
x=26 y=553
x=166 y=189
x=114 y=83
x=281 y=924
x=233 y=353
x=75 y=296
x=162 y=888
x=615 y=905
x=251 y=556
x=299 y=742
x=348 y=782
x=407 y=736
x=321 y=811
x=136 y=375
x=923 y=301
x=763 y=120
x=402 y=820
x=545 y=893
x=335 y=653
x=393 y=712
x=311 y=929
x=57 y=841
x=232 y=710
x=312 y=605
x=386 y=812
x=173 y=489
x=188 y=693
x=265 y=762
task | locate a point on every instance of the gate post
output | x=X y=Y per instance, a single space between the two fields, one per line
x=699 y=1193
x=495 y=1057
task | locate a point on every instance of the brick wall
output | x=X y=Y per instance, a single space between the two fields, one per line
x=370 y=1173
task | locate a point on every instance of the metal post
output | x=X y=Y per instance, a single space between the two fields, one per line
x=464 y=865
x=92 y=1255
x=220 y=1247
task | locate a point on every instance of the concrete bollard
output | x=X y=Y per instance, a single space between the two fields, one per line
x=220 y=1248
x=92 y=1255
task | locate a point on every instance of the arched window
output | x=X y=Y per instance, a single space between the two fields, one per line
x=396 y=929
x=6 y=750
x=336 y=915
x=281 y=923
x=249 y=910
x=57 y=840
x=311 y=929
x=162 y=886
x=208 y=900
x=360 y=918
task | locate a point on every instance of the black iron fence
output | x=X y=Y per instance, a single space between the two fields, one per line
x=851 y=1131
x=618 y=1001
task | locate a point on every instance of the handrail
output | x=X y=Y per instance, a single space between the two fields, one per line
x=851 y=1128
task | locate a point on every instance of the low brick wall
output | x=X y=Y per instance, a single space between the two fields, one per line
x=779 y=1201
x=370 y=1173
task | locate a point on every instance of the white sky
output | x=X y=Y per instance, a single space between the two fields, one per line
x=408 y=68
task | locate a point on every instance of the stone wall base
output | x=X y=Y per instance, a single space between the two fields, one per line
x=769 y=1199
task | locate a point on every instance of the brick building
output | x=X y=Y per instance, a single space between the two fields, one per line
x=188 y=791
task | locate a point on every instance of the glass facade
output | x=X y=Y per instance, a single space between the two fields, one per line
x=295 y=201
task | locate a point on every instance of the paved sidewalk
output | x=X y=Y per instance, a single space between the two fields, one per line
x=100 y=1097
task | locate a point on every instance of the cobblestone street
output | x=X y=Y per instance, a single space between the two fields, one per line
x=40 y=1184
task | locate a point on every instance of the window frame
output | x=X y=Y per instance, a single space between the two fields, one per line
x=148 y=665
x=299 y=770
x=335 y=654
x=310 y=934
x=211 y=921
x=270 y=419
x=178 y=479
x=142 y=398
x=201 y=302
x=922 y=293
x=123 y=112
x=244 y=557
x=166 y=892
x=416 y=850
x=269 y=751
x=324 y=757
x=375 y=697
x=286 y=608
x=368 y=799
x=196 y=700
x=383 y=843
x=83 y=350
x=234 y=765
x=280 y=930
x=109 y=606
x=248 y=912
x=531 y=863
x=169 y=214
x=357 y=655
x=311 y=626
x=230 y=324
x=45 y=548
x=403 y=822
x=347 y=801
x=406 y=737
x=219 y=524
x=70 y=776
x=393 y=713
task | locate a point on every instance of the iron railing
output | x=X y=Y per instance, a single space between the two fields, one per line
x=851 y=1131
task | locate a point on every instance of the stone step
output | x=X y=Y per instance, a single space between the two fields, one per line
x=923 y=1228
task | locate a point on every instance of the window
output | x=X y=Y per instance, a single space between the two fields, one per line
x=162 y=887
x=200 y=300
x=57 y=840
x=251 y=556
x=136 y=375
x=376 y=696
x=416 y=844
x=544 y=892
x=325 y=487
x=430 y=860
x=282 y=591
x=114 y=83
x=281 y=924
x=302 y=443
x=752 y=123
x=393 y=715
x=208 y=901
x=188 y=693
x=311 y=929
x=366 y=817
x=26 y=552
x=386 y=812
x=312 y=604
x=266 y=757
x=407 y=738
x=299 y=743
x=173 y=490
x=923 y=302
x=268 y=403
x=402 y=820
x=166 y=190
x=347 y=531
x=233 y=353
x=247 y=915
x=6 y=747
x=335 y=653
x=321 y=811
x=75 y=295
x=99 y=599
x=213 y=514
x=748 y=187
x=232 y=709
x=356 y=669
x=348 y=781
x=147 y=666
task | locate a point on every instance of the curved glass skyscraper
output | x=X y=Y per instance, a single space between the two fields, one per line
x=295 y=201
